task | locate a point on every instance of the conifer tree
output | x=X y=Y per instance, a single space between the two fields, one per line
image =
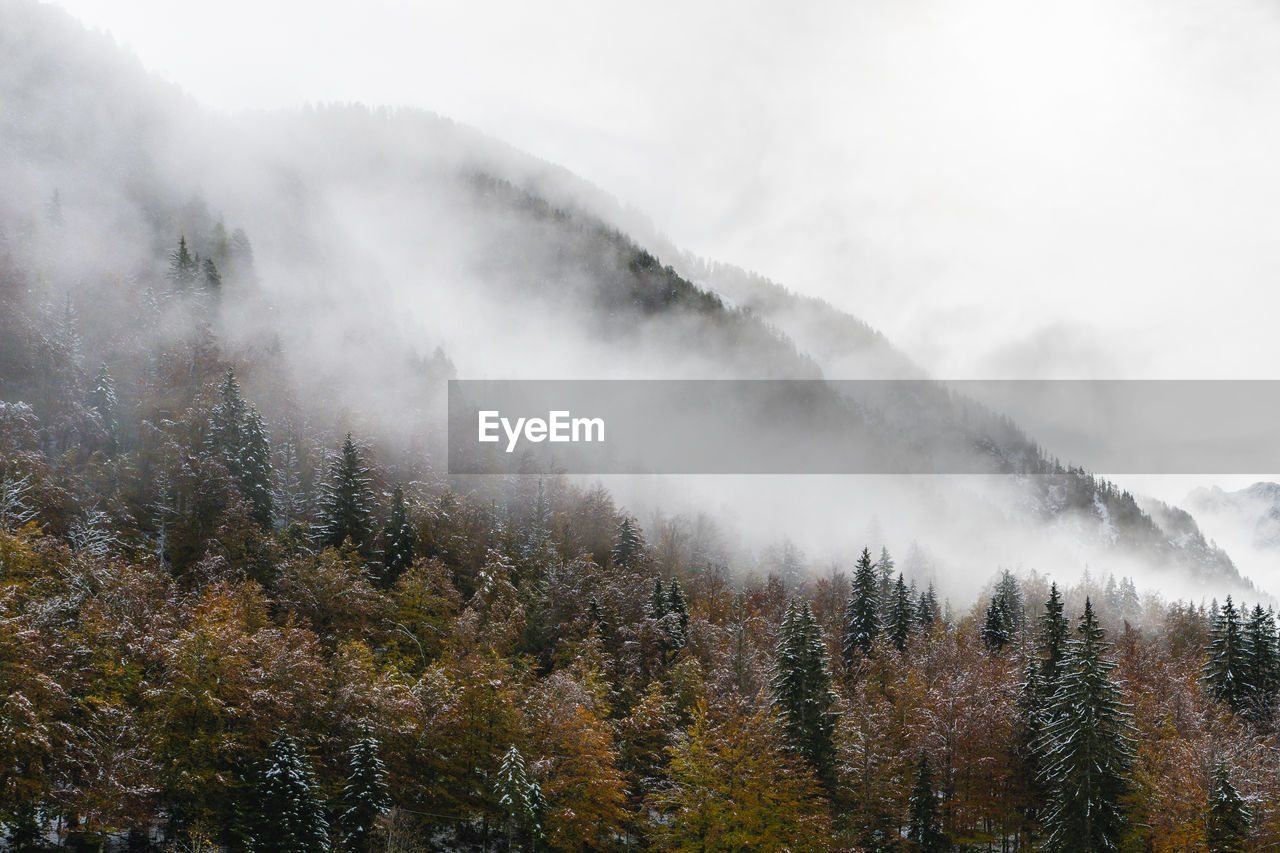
x=399 y=549
x=1051 y=642
x=677 y=616
x=1227 y=829
x=628 y=546
x=1226 y=670
x=802 y=692
x=520 y=800
x=364 y=797
x=657 y=601
x=346 y=505
x=254 y=464
x=924 y=833
x=862 y=613
x=227 y=424
x=103 y=400
x=927 y=611
x=212 y=281
x=1262 y=667
x=289 y=818
x=1009 y=591
x=884 y=582
x=996 y=633
x=1086 y=748
x=183 y=265
x=901 y=614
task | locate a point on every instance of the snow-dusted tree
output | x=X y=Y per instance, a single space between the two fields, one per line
x=1086 y=749
x=1051 y=641
x=924 y=832
x=346 y=504
x=927 y=610
x=676 y=618
x=862 y=613
x=996 y=630
x=1262 y=667
x=801 y=687
x=16 y=500
x=1226 y=670
x=226 y=424
x=1227 y=828
x=884 y=582
x=1009 y=592
x=364 y=797
x=102 y=399
x=254 y=462
x=212 y=281
x=289 y=816
x=398 y=539
x=901 y=614
x=628 y=543
x=519 y=799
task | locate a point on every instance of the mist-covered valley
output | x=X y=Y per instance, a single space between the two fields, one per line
x=225 y=342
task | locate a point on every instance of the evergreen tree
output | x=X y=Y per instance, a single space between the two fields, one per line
x=103 y=401
x=628 y=546
x=901 y=614
x=519 y=799
x=862 y=613
x=996 y=633
x=924 y=833
x=212 y=281
x=927 y=610
x=801 y=688
x=346 y=505
x=289 y=817
x=1262 y=667
x=364 y=797
x=1009 y=591
x=884 y=582
x=1051 y=643
x=1226 y=670
x=399 y=549
x=254 y=464
x=676 y=620
x=1086 y=748
x=1227 y=829
x=184 y=265
x=227 y=424
x=657 y=601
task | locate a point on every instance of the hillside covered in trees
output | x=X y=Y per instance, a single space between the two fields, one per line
x=243 y=608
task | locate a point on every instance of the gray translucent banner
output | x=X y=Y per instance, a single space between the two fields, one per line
x=863 y=426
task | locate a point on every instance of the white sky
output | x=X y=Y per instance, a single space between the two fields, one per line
x=1006 y=188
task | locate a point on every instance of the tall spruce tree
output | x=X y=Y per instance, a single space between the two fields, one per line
x=1086 y=749
x=289 y=816
x=398 y=548
x=1226 y=669
x=184 y=265
x=226 y=424
x=900 y=614
x=364 y=797
x=346 y=504
x=927 y=609
x=1262 y=667
x=801 y=687
x=103 y=401
x=862 y=612
x=924 y=825
x=676 y=621
x=1227 y=827
x=1051 y=641
x=254 y=463
x=520 y=801
x=628 y=544
x=996 y=630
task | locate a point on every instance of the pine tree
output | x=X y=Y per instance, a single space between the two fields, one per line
x=212 y=281
x=802 y=692
x=346 y=505
x=103 y=401
x=1087 y=749
x=227 y=423
x=628 y=546
x=901 y=614
x=290 y=817
x=399 y=549
x=364 y=798
x=996 y=633
x=862 y=613
x=1225 y=671
x=1227 y=829
x=183 y=265
x=884 y=582
x=254 y=464
x=927 y=611
x=923 y=824
x=1051 y=643
x=519 y=799
x=657 y=601
x=1009 y=591
x=1262 y=667
x=677 y=616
